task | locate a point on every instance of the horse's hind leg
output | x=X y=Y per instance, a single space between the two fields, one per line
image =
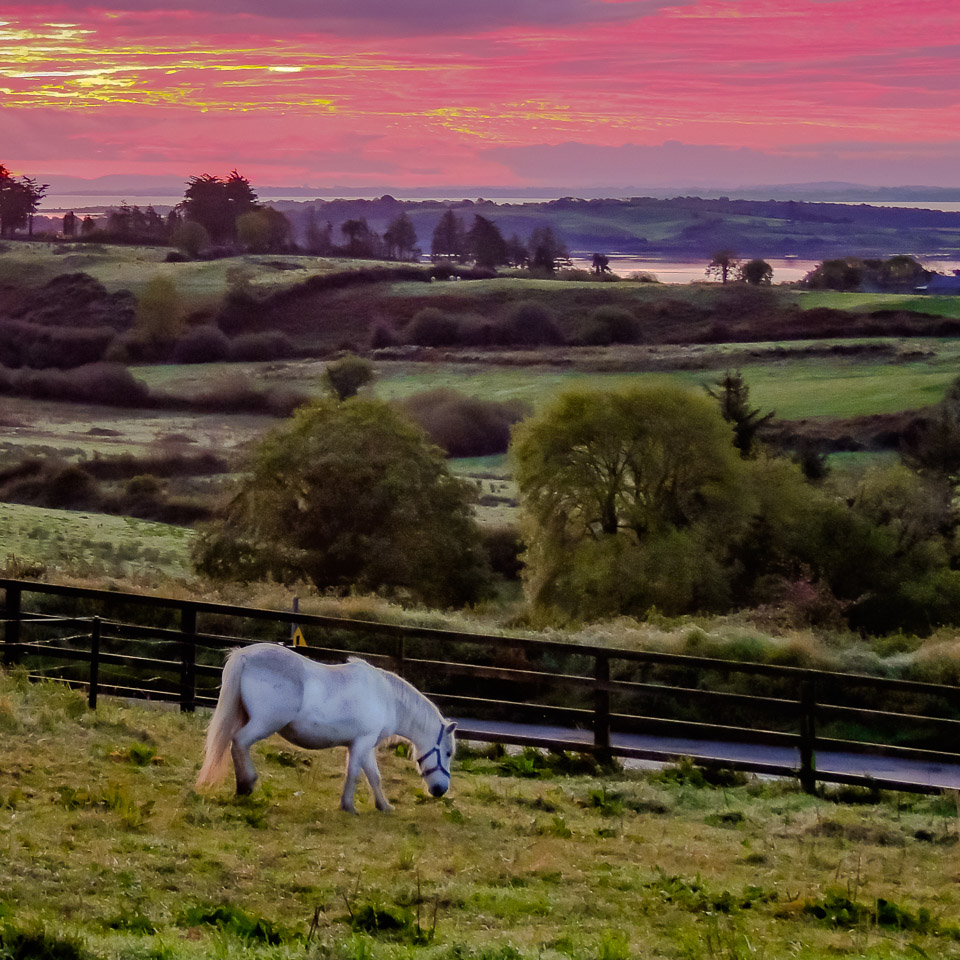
x=246 y=737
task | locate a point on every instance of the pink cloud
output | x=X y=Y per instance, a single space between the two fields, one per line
x=501 y=92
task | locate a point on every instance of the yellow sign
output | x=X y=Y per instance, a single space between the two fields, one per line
x=298 y=638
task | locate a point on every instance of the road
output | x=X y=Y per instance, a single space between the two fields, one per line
x=893 y=769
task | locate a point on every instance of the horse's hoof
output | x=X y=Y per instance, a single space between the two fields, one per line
x=386 y=808
x=349 y=809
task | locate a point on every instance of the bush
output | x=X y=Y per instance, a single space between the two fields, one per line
x=40 y=347
x=265 y=345
x=531 y=324
x=432 y=328
x=464 y=426
x=105 y=383
x=621 y=325
x=177 y=256
x=382 y=338
x=205 y=344
x=345 y=377
x=503 y=546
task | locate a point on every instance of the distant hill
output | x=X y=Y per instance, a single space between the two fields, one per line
x=681 y=227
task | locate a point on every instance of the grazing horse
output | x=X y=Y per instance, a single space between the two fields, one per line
x=268 y=689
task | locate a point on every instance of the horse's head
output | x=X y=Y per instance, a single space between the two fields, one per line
x=434 y=764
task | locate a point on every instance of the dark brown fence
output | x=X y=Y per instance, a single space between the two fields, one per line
x=565 y=696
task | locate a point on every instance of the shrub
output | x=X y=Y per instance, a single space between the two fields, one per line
x=590 y=333
x=503 y=546
x=143 y=486
x=177 y=256
x=464 y=426
x=265 y=345
x=382 y=338
x=106 y=383
x=432 y=328
x=345 y=377
x=204 y=344
x=620 y=323
x=530 y=323
x=71 y=486
x=32 y=345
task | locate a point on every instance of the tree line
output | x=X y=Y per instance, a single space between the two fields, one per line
x=633 y=501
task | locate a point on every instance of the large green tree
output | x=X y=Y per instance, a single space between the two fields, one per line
x=350 y=495
x=623 y=492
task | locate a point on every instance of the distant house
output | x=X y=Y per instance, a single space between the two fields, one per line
x=942 y=285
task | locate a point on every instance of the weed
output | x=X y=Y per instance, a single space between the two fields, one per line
x=690 y=774
x=237 y=922
x=613 y=946
x=607 y=803
x=869 y=795
x=556 y=828
x=726 y=818
x=142 y=754
x=17 y=943
x=532 y=763
x=131 y=922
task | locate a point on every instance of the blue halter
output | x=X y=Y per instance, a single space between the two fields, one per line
x=434 y=750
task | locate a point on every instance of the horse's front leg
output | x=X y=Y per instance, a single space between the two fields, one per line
x=372 y=772
x=356 y=754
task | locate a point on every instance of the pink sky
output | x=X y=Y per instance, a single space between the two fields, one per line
x=502 y=92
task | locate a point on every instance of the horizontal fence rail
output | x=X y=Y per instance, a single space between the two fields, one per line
x=568 y=696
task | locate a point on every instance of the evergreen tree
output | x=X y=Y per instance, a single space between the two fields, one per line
x=733 y=395
x=449 y=239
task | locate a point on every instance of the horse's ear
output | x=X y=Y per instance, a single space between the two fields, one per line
x=451 y=726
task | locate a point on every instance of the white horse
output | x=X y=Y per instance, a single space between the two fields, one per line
x=268 y=689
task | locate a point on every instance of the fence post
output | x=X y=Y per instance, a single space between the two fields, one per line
x=401 y=654
x=601 y=709
x=94 y=663
x=188 y=660
x=11 y=630
x=808 y=735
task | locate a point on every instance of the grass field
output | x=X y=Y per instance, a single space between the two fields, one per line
x=107 y=845
x=200 y=284
x=795 y=387
x=92 y=542
x=860 y=302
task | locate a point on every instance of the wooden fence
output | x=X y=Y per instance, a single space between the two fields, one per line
x=584 y=695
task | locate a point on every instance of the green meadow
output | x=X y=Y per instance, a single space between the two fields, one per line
x=108 y=852
x=92 y=543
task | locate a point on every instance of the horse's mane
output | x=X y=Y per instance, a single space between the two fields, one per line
x=409 y=698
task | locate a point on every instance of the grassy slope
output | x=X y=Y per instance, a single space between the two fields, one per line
x=200 y=284
x=121 y=546
x=570 y=867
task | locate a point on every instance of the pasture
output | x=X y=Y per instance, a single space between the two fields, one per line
x=93 y=543
x=110 y=853
x=200 y=284
x=913 y=374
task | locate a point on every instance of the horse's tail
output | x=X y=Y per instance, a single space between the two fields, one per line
x=227 y=719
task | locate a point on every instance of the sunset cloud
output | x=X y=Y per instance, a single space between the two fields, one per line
x=509 y=91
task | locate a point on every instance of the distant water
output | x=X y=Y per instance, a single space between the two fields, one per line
x=679 y=271
x=61 y=203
